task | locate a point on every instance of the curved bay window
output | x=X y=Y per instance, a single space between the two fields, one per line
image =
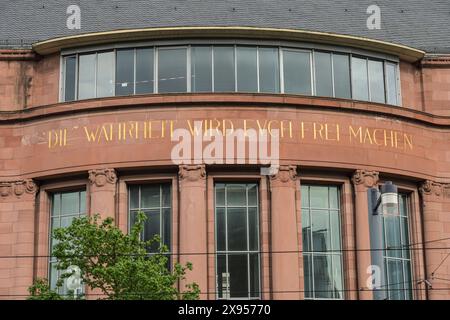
x=230 y=68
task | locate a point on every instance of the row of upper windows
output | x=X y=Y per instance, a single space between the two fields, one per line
x=232 y=68
x=237 y=230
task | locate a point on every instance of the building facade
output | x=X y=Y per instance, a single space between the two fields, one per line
x=89 y=123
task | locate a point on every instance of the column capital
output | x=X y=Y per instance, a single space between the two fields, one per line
x=365 y=178
x=192 y=173
x=286 y=175
x=101 y=177
x=18 y=188
x=431 y=188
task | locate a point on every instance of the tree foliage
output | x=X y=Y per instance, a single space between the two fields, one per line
x=116 y=265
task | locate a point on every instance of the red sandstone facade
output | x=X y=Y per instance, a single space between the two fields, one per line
x=355 y=145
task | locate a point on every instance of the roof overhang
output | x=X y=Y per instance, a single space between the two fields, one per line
x=56 y=45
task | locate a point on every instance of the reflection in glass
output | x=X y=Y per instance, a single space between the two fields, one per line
x=70 y=77
x=269 y=71
x=376 y=77
x=246 y=69
x=224 y=69
x=360 y=79
x=86 y=76
x=105 y=74
x=124 y=72
x=201 y=69
x=341 y=72
x=144 y=71
x=391 y=83
x=323 y=76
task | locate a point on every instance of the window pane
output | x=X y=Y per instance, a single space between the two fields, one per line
x=376 y=76
x=254 y=275
x=320 y=230
x=236 y=195
x=395 y=278
x=359 y=79
x=334 y=198
x=70 y=78
x=86 y=77
x=253 y=228
x=237 y=229
x=220 y=229
x=223 y=286
x=166 y=237
x=297 y=72
x=304 y=193
x=166 y=195
x=324 y=286
x=83 y=202
x=269 y=72
x=238 y=269
x=324 y=81
x=253 y=195
x=150 y=196
x=341 y=73
x=337 y=277
x=220 y=195
x=105 y=74
x=393 y=240
x=152 y=228
x=336 y=232
x=306 y=230
x=56 y=204
x=134 y=197
x=125 y=72
x=319 y=197
x=201 y=69
x=392 y=84
x=224 y=69
x=246 y=69
x=70 y=203
x=172 y=70
x=308 y=276
x=144 y=71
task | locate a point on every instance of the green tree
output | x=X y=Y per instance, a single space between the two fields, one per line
x=115 y=263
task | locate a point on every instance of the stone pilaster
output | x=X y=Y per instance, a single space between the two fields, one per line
x=102 y=192
x=17 y=233
x=193 y=216
x=284 y=234
x=362 y=181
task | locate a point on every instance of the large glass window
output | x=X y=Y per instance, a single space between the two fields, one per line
x=155 y=200
x=246 y=68
x=237 y=241
x=323 y=74
x=297 y=72
x=360 y=79
x=105 y=74
x=224 y=69
x=65 y=207
x=172 y=70
x=397 y=257
x=229 y=68
x=341 y=74
x=201 y=69
x=86 y=76
x=376 y=81
x=70 y=77
x=322 y=254
x=269 y=71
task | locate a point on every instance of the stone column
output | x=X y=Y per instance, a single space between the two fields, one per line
x=284 y=235
x=436 y=222
x=17 y=234
x=362 y=181
x=102 y=192
x=193 y=225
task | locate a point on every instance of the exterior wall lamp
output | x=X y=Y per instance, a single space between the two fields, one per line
x=382 y=201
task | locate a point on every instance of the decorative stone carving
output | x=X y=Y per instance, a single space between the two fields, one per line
x=18 y=188
x=100 y=177
x=285 y=175
x=192 y=172
x=431 y=188
x=366 y=178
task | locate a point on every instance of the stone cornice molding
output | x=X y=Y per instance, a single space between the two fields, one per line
x=101 y=177
x=192 y=173
x=18 y=188
x=365 y=178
